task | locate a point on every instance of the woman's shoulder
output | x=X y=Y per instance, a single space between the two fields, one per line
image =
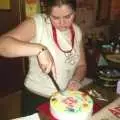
x=40 y=20
x=77 y=28
x=40 y=16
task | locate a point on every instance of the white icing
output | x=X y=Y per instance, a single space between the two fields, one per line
x=73 y=105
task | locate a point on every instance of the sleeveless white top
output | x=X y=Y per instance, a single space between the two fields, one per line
x=40 y=83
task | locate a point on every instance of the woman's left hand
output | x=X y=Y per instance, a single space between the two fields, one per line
x=74 y=85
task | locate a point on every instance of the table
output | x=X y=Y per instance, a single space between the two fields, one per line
x=113 y=58
x=107 y=93
x=109 y=112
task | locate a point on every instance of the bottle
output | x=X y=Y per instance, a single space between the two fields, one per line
x=118 y=87
x=117 y=49
x=112 y=44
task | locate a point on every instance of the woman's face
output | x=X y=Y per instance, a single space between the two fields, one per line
x=62 y=17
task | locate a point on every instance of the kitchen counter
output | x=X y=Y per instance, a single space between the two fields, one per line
x=108 y=93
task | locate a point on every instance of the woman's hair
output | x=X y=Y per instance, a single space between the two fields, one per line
x=59 y=3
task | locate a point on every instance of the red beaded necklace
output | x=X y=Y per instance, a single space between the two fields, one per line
x=56 y=41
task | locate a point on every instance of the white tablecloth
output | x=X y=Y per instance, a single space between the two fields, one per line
x=34 y=116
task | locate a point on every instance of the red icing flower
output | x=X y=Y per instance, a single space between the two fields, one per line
x=70 y=101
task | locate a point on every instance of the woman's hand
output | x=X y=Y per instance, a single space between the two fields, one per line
x=74 y=85
x=46 y=61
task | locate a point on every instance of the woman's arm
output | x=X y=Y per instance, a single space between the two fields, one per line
x=16 y=43
x=80 y=71
x=12 y=47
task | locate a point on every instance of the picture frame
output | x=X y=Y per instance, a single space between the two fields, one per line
x=5 y=4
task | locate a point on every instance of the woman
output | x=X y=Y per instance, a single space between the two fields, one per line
x=53 y=43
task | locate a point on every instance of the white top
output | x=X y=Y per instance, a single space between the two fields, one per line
x=39 y=82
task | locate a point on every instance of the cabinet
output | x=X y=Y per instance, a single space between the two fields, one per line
x=115 y=9
x=107 y=10
x=11 y=70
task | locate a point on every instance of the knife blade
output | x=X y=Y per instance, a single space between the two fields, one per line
x=54 y=82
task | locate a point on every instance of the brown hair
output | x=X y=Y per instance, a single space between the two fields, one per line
x=53 y=3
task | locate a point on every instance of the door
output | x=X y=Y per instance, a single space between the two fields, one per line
x=11 y=70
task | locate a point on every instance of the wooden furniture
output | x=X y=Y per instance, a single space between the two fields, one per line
x=106 y=11
x=115 y=10
x=115 y=58
x=11 y=70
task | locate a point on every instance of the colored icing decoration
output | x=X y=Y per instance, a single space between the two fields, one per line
x=72 y=105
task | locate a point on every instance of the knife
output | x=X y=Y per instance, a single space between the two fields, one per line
x=54 y=82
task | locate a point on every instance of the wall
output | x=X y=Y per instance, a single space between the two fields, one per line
x=86 y=18
x=11 y=70
x=115 y=9
x=10 y=18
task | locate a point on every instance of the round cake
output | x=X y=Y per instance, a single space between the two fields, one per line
x=71 y=105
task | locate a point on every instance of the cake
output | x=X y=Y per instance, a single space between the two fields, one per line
x=71 y=105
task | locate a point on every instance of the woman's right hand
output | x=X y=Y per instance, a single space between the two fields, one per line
x=46 y=61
